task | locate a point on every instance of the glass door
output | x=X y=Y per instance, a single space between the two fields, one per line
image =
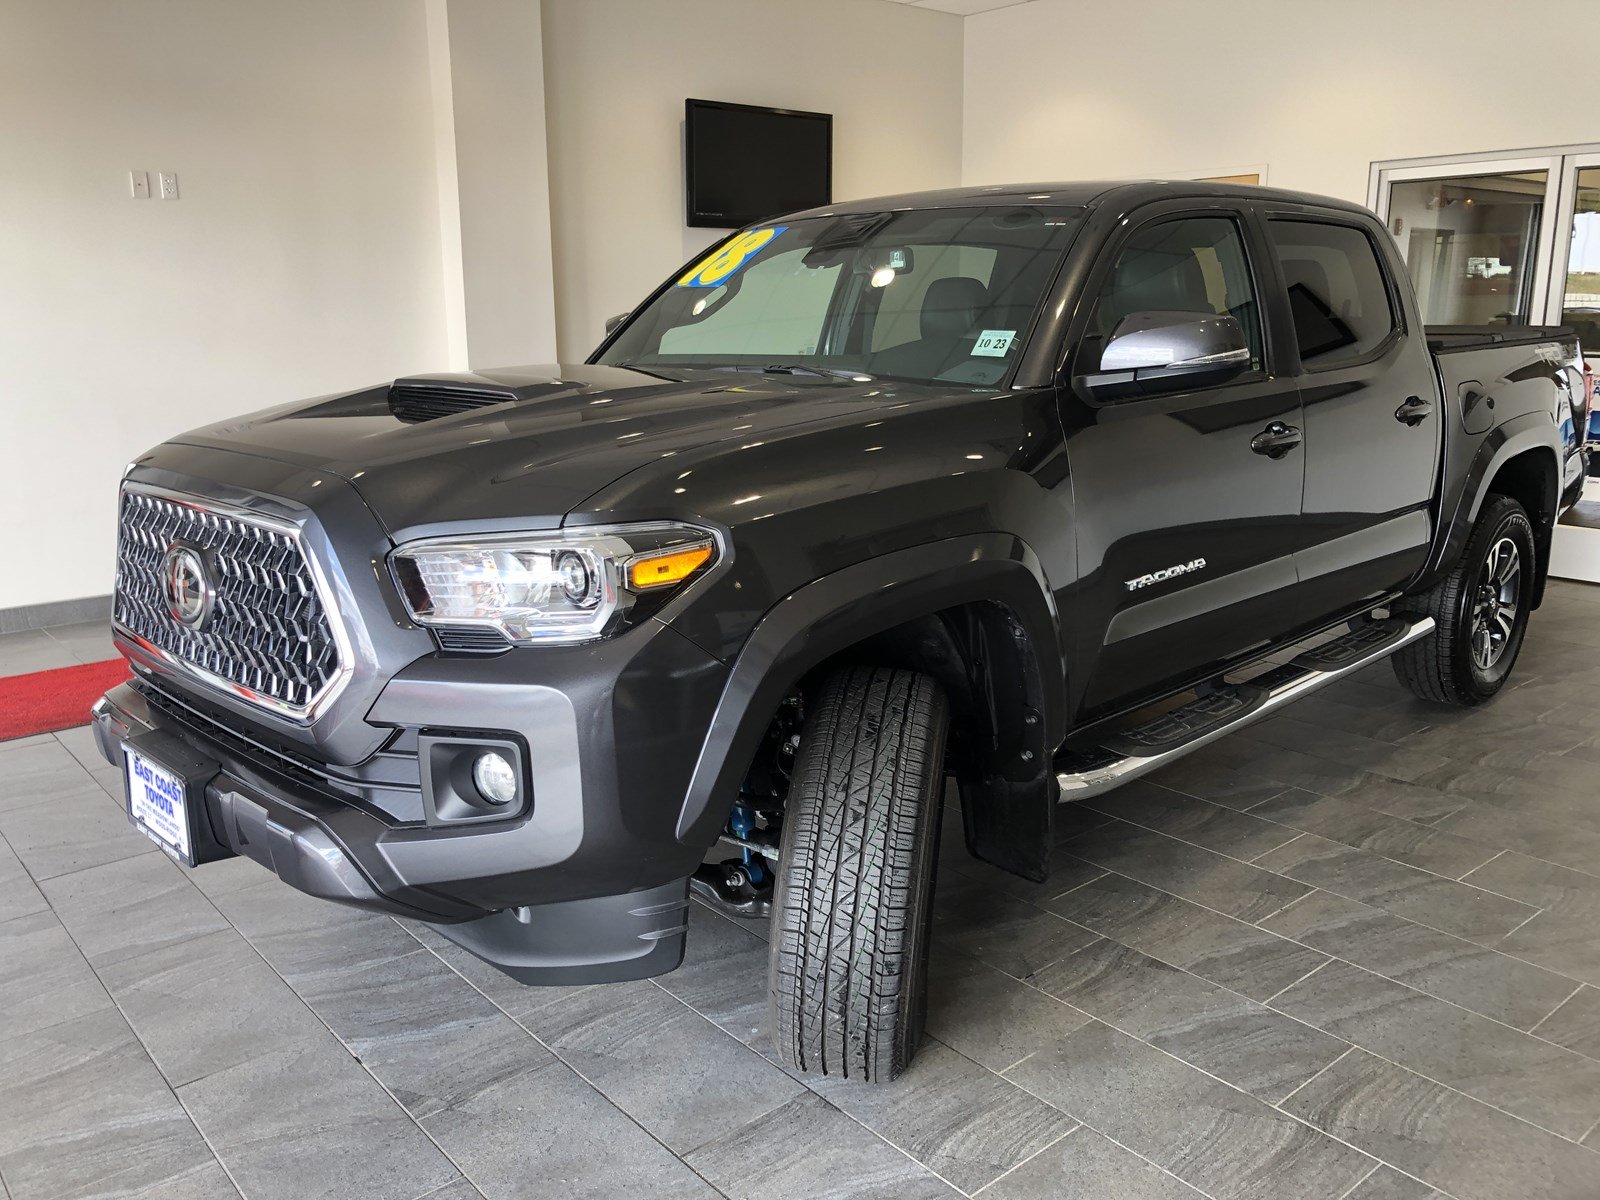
x=1476 y=236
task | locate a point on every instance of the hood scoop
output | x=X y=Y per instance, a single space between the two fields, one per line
x=417 y=400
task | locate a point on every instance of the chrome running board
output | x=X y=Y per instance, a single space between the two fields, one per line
x=1226 y=707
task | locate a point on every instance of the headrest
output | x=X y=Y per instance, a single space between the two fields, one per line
x=950 y=307
x=1154 y=282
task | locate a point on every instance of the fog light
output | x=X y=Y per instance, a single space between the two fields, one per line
x=494 y=778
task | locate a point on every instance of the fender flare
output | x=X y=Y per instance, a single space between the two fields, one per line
x=824 y=617
x=1531 y=431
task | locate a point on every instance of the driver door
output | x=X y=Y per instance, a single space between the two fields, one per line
x=1187 y=517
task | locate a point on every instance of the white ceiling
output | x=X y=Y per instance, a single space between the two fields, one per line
x=962 y=8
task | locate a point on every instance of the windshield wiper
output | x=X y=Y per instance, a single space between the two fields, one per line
x=799 y=369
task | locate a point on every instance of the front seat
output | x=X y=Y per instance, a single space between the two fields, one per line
x=951 y=308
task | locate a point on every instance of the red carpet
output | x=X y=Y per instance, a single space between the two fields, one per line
x=49 y=700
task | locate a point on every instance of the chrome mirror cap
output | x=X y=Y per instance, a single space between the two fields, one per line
x=1162 y=339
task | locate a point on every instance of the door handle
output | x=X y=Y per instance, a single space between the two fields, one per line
x=1413 y=410
x=1276 y=440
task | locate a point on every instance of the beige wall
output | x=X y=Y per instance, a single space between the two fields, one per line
x=302 y=257
x=496 y=92
x=1071 y=89
x=618 y=71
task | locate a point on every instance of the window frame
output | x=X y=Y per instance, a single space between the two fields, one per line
x=1251 y=243
x=1399 y=327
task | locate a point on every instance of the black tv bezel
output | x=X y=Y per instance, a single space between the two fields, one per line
x=700 y=221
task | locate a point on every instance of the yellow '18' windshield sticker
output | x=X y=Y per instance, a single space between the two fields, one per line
x=730 y=257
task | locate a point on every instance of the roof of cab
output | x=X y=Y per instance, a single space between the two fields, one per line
x=1124 y=192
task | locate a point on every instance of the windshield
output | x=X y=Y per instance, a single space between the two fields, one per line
x=934 y=296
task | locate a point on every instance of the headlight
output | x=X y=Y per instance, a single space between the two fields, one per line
x=560 y=588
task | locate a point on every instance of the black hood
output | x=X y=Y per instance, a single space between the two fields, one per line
x=555 y=436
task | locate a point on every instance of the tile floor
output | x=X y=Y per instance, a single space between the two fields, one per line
x=1351 y=953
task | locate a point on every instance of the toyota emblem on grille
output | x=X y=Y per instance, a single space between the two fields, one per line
x=187 y=585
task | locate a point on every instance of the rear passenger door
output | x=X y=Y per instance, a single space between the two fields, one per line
x=1372 y=425
x=1186 y=527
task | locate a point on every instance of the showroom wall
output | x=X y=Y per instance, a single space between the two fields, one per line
x=617 y=73
x=302 y=255
x=1070 y=89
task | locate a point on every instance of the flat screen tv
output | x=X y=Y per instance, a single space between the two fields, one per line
x=745 y=163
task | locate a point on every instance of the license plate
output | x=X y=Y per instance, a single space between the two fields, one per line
x=156 y=804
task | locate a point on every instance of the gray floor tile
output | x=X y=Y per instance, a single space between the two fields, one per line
x=1190 y=819
x=430 y=1037
x=1365 y=714
x=1223 y=1142
x=1443 y=904
x=1388 y=1184
x=1345 y=819
x=1089 y=1165
x=305 y=938
x=631 y=1041
x=1221 y=1032
x=128 y=908
x=1576 y=1024
x=459 y=1189
x=776 y=1157
x=1462 y=972
x=547 y=1133
x=1290 y=768
x=305 y=1121
x=1553 y=841
x=958 y=1119
x=80 y=744
x=32 y=650
x=1009 y=934
x=36 y=771
x=1202 y=777
x=1240 y=956
x=1553 y=789
x=71 y=831
x=724 y=976
x=990 y=1017
x=1451 y=1141
x=1224 y=884
x=43 y=978
x=207 y=1004
x=88 y=642
x=1404 y=762
x=83 y=1111
x=19 y=895
x=1527 y=1077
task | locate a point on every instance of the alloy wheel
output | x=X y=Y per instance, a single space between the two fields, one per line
x=1494 y=605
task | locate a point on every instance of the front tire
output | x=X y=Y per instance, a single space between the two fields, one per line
x=847 y=977
x=1480 y=610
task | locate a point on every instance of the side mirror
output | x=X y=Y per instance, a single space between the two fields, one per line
x=1163 y=351
x=613 y=322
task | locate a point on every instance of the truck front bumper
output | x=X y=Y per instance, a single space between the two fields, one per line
x=586 y=883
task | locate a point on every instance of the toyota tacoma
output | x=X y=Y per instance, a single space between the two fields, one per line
x=1037 y=488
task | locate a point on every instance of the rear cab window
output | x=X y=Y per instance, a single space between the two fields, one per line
x=1339 y=299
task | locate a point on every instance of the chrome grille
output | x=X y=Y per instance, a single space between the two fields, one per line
x=268 y=637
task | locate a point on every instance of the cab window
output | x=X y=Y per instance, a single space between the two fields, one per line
x=1191 y=264
x=1337 y=295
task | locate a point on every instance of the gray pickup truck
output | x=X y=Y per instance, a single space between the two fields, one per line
x=1038 y=488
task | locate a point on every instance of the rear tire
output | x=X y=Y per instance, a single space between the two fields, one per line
x=847 y=977
x=1480 y=610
